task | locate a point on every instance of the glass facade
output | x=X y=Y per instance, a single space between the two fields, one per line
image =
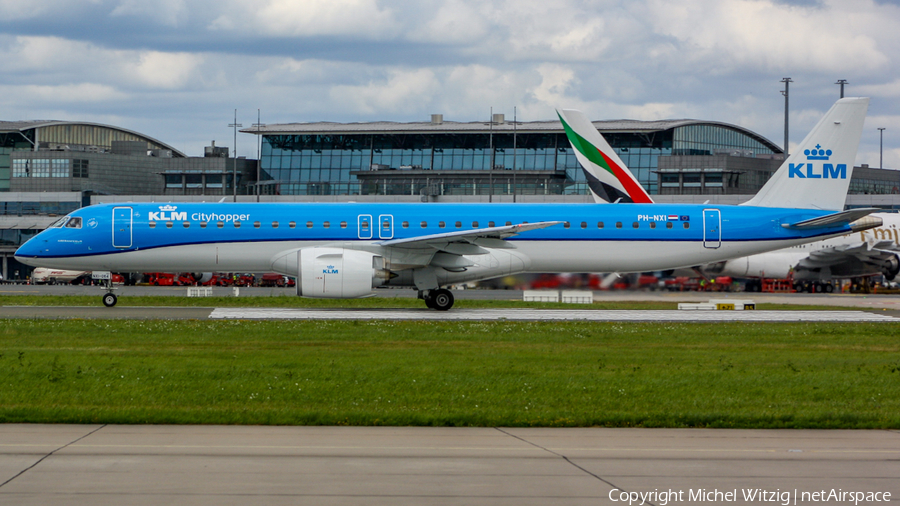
x=9 y=142
x=37 y=208
x=714 y=139
x=540 y=163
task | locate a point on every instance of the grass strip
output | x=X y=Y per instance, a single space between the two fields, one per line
x=572 y=374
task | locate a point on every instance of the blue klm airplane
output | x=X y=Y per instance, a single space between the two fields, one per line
x=345 y=250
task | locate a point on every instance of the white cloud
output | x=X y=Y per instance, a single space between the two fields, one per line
x=453 y=22
x=155 y=69
x=69 y=93
x=165 y=12
x=309 y=18
x=401 y=91
x=59 y=59
x=17 y=10
x=731 y=35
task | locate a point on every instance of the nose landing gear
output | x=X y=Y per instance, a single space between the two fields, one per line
x=110 y=299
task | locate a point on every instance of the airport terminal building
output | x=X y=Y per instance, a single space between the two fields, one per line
x=440 y=158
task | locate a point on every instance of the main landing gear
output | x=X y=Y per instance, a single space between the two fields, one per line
x=440 y=299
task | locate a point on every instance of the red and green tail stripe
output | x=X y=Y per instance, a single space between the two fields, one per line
x=597 y=157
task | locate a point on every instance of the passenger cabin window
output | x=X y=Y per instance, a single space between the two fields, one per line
x=202 y=224
x=405 y=224
x=326 y=224
x=599 y=224
x=386 y=224
x=256 y=224
x=618 y=224
x=292 y=224
x=152 y=224
x=583 y=224
x=474 y=224
x=635 y=225
x=652 y=224
x=508 y=223
x=220 y=224
x=274 y=224
x=491 y=224
x=169 y=224
x=687 y=224
x=668 y=224
x=364 y=224
x=309 y=224
x=424 y=224
x=237 y=224
x=441 y=224
x=458 y=224
x=567 y=225
x=74 y=222
x=343 y=224
x=186 y=224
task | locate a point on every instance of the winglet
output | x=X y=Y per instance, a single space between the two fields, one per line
x=607 y=175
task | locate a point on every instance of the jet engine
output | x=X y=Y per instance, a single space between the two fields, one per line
x=891 y=267
x=338 y=273
x=201 y=277
x=754 y=266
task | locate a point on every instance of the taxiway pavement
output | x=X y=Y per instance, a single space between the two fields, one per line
x=102 y=465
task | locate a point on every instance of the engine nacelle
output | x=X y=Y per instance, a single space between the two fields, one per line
x=201 y=277
x=891 y=268
x=338 y=273
x=756 y=266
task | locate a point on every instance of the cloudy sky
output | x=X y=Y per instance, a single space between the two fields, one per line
x=177 y=69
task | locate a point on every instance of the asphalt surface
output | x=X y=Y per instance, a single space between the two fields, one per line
x=870 y=307
x=200 y=465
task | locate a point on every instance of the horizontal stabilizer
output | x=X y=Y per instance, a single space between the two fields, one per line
x=839 y=218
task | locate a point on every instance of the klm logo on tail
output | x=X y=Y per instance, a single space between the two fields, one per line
x=817 y=171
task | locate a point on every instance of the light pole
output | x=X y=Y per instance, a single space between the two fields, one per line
x=881 y=148
x=258 y=124
x=786 y=81
x=842 y=82
x=234 y=125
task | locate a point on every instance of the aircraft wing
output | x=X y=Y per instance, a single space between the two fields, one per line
x=493 y=237
x=869 y=253
x=447 y=250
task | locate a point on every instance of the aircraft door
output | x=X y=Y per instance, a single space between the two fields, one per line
x=364 y=226
x=385 y=226
x=122 y=225
x=712 y=228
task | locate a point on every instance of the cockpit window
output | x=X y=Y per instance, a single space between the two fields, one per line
x=74 y=222
x=59 y=223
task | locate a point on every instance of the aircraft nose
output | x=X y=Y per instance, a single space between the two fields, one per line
x=28 y=252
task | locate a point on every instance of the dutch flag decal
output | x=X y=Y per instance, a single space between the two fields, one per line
x=673 y=217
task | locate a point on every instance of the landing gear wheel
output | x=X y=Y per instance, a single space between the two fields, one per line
x=428 y=302
x=110 y=299
x=441 y=299
x=829 y=288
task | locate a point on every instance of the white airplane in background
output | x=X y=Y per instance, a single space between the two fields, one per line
x=867 y=253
